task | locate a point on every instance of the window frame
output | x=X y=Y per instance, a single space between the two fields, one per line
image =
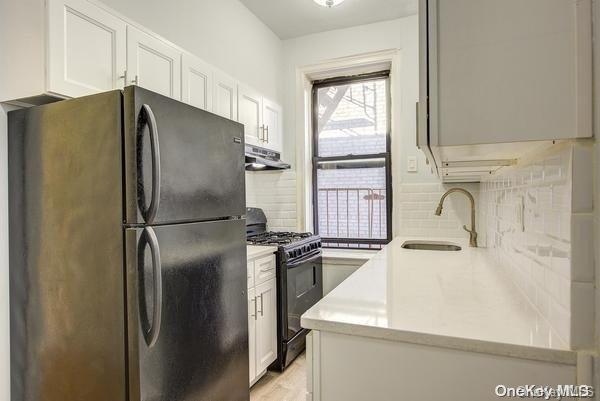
x=352 y=243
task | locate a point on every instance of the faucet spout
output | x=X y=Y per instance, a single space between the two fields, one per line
x=472 y=232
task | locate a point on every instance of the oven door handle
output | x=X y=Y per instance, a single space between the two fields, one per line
x=304 y=259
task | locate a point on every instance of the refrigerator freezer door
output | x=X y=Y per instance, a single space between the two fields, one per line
x=182 y=164
x=67 y=303
x=196 y=346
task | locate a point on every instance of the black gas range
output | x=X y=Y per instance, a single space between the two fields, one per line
x=299 y=281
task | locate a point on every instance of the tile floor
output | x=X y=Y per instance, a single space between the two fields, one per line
x=287 y=386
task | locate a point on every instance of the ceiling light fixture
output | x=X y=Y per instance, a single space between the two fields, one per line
x=328 y=3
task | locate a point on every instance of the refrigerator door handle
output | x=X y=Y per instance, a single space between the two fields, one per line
x=152 y=334
x=155 y=148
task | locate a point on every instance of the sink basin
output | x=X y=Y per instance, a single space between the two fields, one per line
x=431 y=246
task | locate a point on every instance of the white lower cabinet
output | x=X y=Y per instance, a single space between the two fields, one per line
x=252 y=332
x=262 y=315
x=354 y=368
x=266 y=325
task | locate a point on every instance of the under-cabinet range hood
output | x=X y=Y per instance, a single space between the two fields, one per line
x=259 y=159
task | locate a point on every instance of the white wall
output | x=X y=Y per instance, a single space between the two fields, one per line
x=408 y=188
x=223 y=33
x=4 y=318
x=400 y=34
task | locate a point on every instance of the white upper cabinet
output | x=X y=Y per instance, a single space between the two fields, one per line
x=224 y=95
x=72 y=48
x=262 y=119
x=86 y=48
x=503 y=71
x=196 y=82
x=272 y=124
x=153 y=64
x=59 y=48
x=250 y=114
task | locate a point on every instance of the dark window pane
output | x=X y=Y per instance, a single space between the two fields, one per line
x=352 y=118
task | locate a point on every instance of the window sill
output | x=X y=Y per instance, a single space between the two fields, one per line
x=347 y=256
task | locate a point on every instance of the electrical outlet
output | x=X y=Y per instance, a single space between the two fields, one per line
x=411 y=164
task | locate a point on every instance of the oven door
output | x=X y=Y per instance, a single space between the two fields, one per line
x=304 y=289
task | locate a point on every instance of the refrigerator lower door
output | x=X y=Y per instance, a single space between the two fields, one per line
x=182 y=164
x=187 y=312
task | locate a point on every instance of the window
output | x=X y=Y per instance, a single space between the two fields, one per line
x=352 y=195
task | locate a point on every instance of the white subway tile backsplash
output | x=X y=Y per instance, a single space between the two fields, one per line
x=417 y=204
x=549 y=251
x=275 y=193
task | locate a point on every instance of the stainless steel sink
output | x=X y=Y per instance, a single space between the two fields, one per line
x=431 y=245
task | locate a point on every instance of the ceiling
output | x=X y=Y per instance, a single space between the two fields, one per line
x=293 y=18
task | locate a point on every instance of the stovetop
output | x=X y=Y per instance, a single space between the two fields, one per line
x=277 y=238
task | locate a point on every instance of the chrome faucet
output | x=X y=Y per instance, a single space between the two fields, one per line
x=472 y=232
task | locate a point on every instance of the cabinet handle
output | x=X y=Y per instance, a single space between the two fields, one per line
x=261 y=135
x=135 y=80
x=254 y=315
x=267 y=130
x=261 y=305
x=124 y=77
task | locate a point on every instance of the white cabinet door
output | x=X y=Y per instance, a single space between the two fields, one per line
x=272 y=121
x=86 y=49
x=252 y=333
x=224 y=95
x=266 y=325
x=491 y=81
x=153 y=64
x=250 y=114
x=196 y=82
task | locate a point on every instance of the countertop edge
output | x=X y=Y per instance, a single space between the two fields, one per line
x=268 y=250
x=565 y=357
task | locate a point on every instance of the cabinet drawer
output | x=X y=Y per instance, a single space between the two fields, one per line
x=250 y=274
x=264 y=269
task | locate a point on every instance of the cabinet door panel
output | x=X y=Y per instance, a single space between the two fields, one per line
x=252 y=332
x=250 y=114
x=272 y=119
x=153 y=64
x=224 y=96
x=266 y=325
x=491 y=82
x=196 y=82
x=86 y=49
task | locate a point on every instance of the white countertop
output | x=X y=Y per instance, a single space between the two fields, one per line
x=255 y=251
x=459 y=300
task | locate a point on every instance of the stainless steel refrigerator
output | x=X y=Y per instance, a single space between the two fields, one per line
x=127 y=251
